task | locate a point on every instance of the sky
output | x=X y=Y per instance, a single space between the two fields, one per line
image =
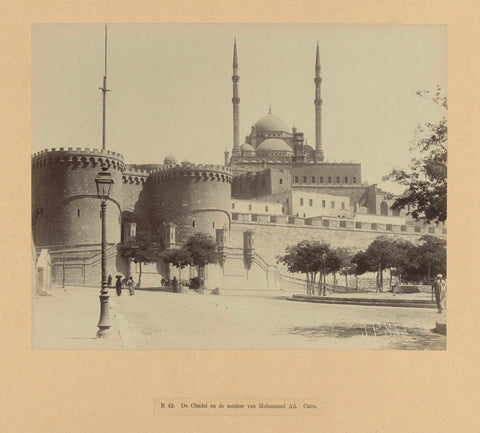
x=171 y=88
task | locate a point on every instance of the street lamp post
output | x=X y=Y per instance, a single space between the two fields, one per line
x=324 y=262
x=104 y=182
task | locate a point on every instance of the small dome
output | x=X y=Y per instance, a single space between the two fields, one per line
x=274 y=145
x=307 y=148
x=247 y=148
x=270 y=122
x=170 y=160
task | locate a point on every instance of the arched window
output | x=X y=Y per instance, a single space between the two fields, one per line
x=193 y=223
x=384 y=208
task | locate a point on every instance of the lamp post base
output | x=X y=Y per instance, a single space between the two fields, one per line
x=104 y=323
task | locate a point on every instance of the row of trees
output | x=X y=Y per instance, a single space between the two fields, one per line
x=409 y=262
x=199 y=250
x=313 y=259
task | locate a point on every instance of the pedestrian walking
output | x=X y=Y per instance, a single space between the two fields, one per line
x=118 y=285
x=130 y=286
x=439 y=287
x=109 y=281
x=175 y=284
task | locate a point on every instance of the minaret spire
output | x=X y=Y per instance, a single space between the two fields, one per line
x=104 y=90
x=319 y=156
x=235 y=59
x=235 y=102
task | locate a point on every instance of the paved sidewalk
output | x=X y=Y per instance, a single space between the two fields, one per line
x=67 y=319
x=415 y=300
x=373 y=295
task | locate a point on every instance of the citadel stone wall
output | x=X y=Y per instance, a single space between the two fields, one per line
x=136 y=201
x=274 y=233
x=196 y=198
x=65 y=204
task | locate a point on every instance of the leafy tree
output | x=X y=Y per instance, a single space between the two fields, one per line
x=305 y=257
x=347 y=268
x=432 y=254
x=411 y=262
x=199 y=251
x=295 y=259
x=142 y=249
x=298 y=259
x=426 y=177
x=202 y=250
x=381 y=254
x=426 y=258
x=363 y=263
x=402 y=260
x=180 y=258
x=333 y=265
x=352 y=270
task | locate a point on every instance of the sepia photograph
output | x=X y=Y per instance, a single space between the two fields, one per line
x=239 y=187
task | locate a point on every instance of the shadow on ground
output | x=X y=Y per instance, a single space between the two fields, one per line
x=154 y=289
x=398 y=336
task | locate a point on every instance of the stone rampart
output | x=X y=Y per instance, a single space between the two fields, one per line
x=274 y=233
x=134 y=192
x=194 y=168
x=65 y=204
x=107 y=156
x=197 y=198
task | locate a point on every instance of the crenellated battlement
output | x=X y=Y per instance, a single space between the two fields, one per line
x=78 y=155
x=136 y=171
x=208 y=171
x=193 y=167
x=339 y=224
x=287 y=159
x=136 y=176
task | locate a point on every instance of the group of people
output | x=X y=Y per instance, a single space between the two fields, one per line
x=122 y=283
x=194 y=283
x=166 y=282
x=127 y=283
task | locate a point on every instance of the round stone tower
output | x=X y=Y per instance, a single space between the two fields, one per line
x=65 y=205
x=196 y=198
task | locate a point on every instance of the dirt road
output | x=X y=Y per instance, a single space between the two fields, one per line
x=168 y=321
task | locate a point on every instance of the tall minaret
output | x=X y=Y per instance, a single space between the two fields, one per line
x=235 y=102
x=319 y=156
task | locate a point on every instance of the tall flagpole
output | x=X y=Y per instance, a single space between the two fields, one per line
x=104 y=182
x=104 y=90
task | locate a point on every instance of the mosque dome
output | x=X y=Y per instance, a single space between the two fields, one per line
x=271 y=122
x=170 y=160
x=307 y=148
x=247 y=148
x=274 y=145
